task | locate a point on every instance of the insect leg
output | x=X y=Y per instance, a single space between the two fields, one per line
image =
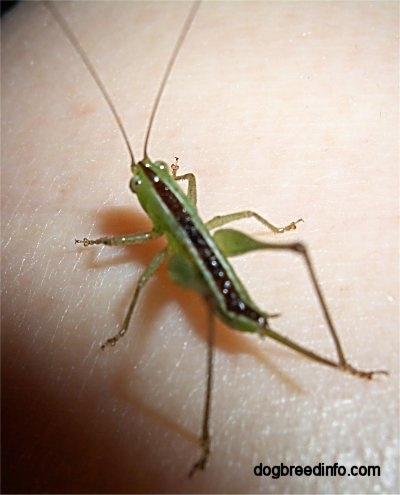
x=120 y=240
x=221 y=220
x=205 y=435
x=192 y=189
x=191 y=178
x=146 y=275
x=342 y=363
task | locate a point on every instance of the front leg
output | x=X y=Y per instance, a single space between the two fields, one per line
x=120 y=240
x=191 y=178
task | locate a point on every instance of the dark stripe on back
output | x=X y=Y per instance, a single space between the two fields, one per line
x=205 y=251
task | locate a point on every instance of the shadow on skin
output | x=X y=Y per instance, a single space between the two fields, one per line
x=50 y=446
x=122 y=220
x=65 y=438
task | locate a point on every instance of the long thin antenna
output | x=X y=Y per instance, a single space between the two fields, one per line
x=85 y=59
x=168 y=69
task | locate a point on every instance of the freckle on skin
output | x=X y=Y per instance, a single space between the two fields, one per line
x=83 y=110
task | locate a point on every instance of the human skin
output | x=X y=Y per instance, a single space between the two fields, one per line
x=285 y=108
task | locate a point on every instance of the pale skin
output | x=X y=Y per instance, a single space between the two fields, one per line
x=309 y=132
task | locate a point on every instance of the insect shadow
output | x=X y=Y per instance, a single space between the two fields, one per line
x=162 y=292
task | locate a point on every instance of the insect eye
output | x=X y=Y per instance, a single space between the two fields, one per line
x=135 y=183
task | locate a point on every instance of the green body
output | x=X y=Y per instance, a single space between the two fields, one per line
x=186 y=267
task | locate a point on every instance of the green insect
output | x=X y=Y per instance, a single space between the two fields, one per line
x=197 y=253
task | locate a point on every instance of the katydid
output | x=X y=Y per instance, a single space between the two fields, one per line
x=197 y=258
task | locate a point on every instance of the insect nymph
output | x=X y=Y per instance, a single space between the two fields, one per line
x=197 y=258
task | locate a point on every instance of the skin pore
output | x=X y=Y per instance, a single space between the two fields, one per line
x=287 y=109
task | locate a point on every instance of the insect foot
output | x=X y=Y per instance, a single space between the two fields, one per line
x=109 y=343
x=85 y=241
x=291 y=226
x=175 y=167
x=113 y=340
x=202 y=462
x=362 y=374
x=107 y=241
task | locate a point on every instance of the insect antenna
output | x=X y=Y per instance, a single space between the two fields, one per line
x=85 y=59
x=167 y=72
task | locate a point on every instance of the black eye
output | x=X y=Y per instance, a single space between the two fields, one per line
x=135 y=183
